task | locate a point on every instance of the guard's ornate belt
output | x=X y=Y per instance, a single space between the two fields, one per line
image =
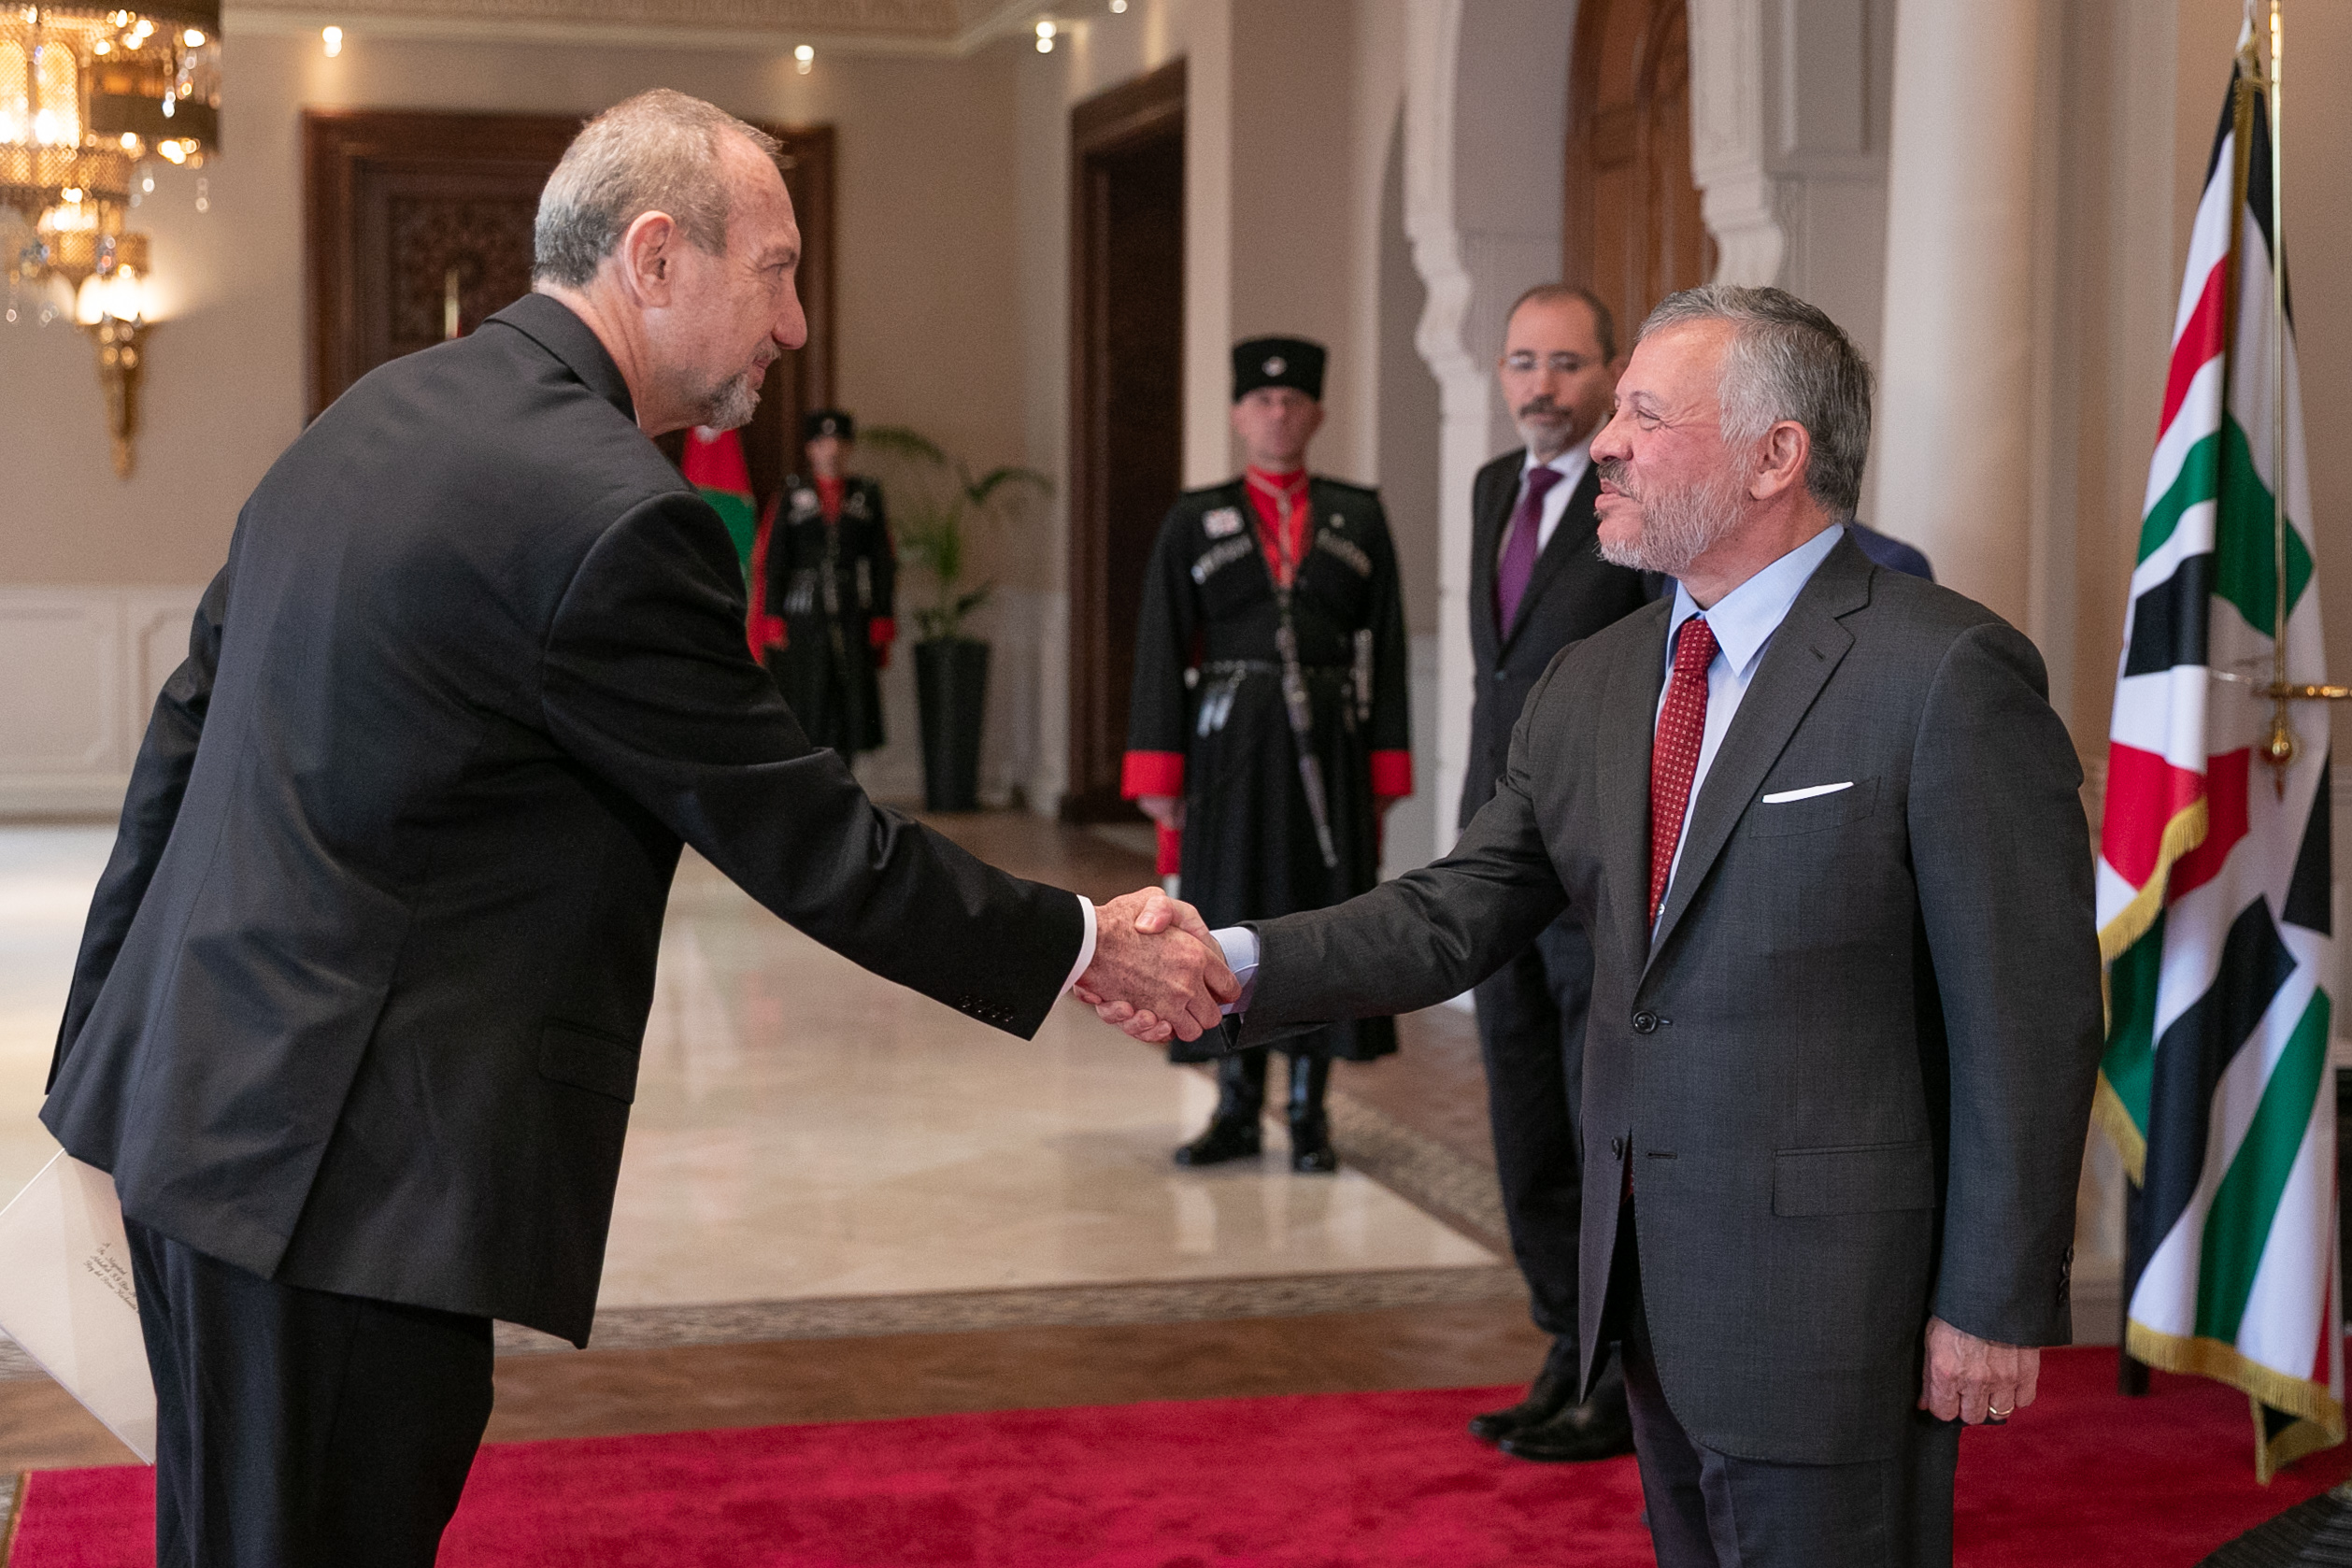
x=1212 y=668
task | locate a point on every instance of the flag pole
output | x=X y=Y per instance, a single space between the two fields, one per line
x=2281 y=748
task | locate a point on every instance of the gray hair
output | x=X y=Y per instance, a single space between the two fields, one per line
x=1787 y=361
x=655 y=152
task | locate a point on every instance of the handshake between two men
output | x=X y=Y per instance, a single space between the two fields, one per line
x=1158 y=974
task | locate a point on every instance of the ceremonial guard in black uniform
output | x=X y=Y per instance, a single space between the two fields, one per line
x=830 y=571
x=1269 y=727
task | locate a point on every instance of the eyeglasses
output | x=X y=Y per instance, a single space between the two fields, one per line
x=1525 y=363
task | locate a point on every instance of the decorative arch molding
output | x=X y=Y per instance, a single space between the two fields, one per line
x=1789 y=133
x=1729 y=159
x=1485 y=136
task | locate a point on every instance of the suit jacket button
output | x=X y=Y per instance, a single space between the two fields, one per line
x=1645 y=1023
x=1616 y=1148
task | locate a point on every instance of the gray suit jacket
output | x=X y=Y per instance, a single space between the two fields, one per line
x=1852 y=1073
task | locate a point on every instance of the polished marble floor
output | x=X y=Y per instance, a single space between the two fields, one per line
x=805 y=1130
x=914 y=1214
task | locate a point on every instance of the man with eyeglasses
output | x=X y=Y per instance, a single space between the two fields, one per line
x=1537 y=584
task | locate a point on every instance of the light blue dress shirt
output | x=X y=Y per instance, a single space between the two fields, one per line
x=1743 y=621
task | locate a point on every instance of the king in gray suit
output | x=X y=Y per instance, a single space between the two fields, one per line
x=1823 y=827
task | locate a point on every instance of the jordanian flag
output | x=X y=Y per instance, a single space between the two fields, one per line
x=2213 y=864
x=714 y=465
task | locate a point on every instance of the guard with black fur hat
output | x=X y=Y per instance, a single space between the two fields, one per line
x=1269 y=731
x=830 y=571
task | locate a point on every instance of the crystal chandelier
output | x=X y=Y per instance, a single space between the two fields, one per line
x=86 y=93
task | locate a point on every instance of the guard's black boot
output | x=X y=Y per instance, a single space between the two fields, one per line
x=1310 y=1130
x=1600 y=1428
x=1233 y=1130
x=1553 y=1390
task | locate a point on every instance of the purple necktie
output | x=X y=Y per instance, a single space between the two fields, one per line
x=1519 y=555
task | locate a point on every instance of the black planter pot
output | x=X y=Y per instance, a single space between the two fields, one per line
x=951 y=690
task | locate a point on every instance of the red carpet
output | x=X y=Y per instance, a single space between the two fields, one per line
x=2087 y=1478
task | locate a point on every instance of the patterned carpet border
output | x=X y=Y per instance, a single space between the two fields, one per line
x=1456 y=1191
x=1449 y=1187
x=638 y=1328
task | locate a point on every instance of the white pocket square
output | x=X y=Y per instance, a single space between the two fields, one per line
x=1784 y=796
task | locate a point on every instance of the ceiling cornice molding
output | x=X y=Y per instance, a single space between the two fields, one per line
x=938 y=28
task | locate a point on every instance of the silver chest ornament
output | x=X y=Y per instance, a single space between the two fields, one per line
x=1223 y=523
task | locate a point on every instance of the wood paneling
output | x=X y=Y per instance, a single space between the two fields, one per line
x=400 y=205
x=1634 y=232
x=1126 y=402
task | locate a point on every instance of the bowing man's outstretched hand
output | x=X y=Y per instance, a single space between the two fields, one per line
x=1155 y=961
x=1155 y=916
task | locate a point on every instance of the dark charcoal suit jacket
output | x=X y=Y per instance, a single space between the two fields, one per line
x=1852 y=1073
x=361 y=994
x=1572 y=594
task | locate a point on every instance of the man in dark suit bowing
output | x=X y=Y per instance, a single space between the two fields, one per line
x=1823 y=828
x=1537 y=583
x=355 y=1019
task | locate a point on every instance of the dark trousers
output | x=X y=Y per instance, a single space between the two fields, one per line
x=296 y=1427
x=1531 y=1029
x=1241 y=1086
x=1714 y=1510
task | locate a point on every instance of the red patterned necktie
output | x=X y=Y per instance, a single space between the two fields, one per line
x=1674 y=753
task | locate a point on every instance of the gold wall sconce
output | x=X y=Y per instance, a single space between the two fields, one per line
x=80 y=247
x=111 y=304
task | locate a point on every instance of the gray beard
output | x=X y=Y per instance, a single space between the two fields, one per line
x=1537 y=439
x=730 y=405
x=1679 y=526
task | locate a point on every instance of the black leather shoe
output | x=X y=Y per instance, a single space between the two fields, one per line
x=1226 y=1138
x=1553 y=1390
x=1310 y=1129
x=1600 y=1428
x=1312 y=1158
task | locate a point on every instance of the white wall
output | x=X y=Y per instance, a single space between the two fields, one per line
x=84 y=664
x=928 y=321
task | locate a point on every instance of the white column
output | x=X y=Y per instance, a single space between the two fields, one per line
x=1209 y=260
x=1485 y=133
x=1955 y=449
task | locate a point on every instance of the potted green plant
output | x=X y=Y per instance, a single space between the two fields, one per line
x=930 y=511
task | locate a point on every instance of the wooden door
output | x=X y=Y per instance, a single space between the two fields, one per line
x=1633 y=233
x=419 y=227
x=1126 y=403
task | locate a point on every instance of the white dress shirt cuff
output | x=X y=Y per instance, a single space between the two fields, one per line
x=1240 y=944
x=1085 y=949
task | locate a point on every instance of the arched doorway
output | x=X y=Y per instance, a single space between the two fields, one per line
x=1632 y=232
